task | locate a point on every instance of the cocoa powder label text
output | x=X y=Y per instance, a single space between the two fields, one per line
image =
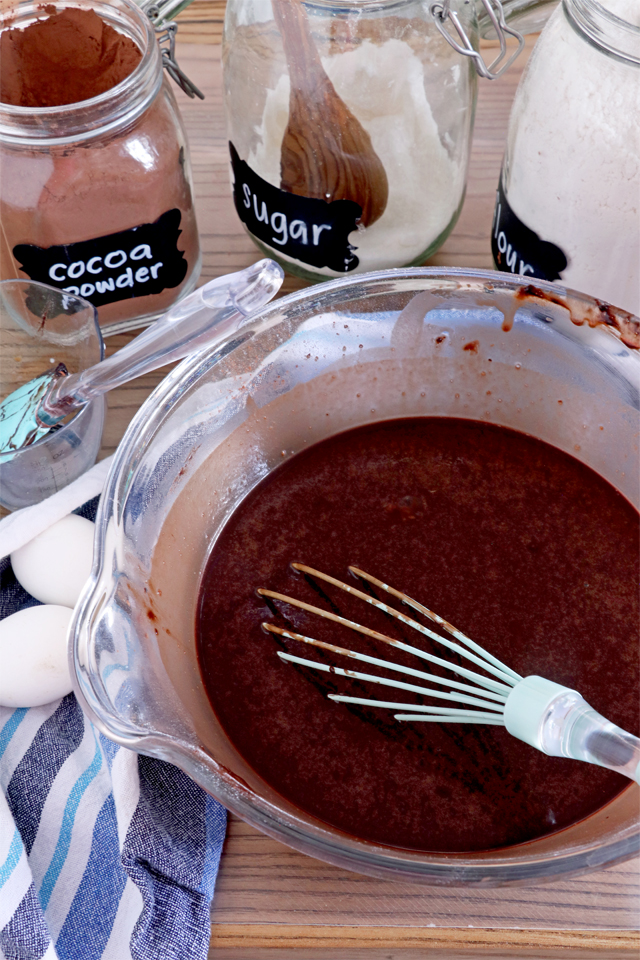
x=137 y=262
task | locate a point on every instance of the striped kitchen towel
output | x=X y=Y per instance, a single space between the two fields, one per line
x=103 y=853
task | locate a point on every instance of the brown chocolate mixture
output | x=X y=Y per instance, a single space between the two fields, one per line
x=521 y=546
x=65 y=58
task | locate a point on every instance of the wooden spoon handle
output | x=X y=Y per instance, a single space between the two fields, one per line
x=300 y=50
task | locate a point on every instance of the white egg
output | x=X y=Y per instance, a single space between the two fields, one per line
x=54 y=566
x=33 y=656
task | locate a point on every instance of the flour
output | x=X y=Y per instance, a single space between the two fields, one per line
x=573 y=158
x=628 y=10
x=384 y=87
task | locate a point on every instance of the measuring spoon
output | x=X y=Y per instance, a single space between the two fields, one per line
x=209 y=313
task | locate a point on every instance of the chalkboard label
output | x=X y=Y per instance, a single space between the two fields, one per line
x=517 y=249
x=312 y=231
x=133 y=263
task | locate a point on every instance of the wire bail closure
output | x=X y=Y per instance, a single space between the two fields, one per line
x=166 y=30
x=441 y=12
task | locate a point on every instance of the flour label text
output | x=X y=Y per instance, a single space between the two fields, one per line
x=517 y=249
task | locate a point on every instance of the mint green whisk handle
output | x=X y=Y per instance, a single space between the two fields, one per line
x=559 y=722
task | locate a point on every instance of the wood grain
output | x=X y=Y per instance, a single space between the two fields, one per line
x=263 y=881
x=271 y=898
x=276 y=942
x=202 y=22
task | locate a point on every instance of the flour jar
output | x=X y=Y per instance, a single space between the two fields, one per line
x=96 y=196
x=568 y=204
x=406 y=88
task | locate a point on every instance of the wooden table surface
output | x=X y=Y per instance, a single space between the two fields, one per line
x=272 y=901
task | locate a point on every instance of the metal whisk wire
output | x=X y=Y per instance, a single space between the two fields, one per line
x=552 y=718
x=486 y=693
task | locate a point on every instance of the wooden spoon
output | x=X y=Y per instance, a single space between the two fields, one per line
x=326 y=152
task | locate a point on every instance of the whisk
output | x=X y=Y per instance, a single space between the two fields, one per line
x=552 y=718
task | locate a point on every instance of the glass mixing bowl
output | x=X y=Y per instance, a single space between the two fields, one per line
x=372 y=347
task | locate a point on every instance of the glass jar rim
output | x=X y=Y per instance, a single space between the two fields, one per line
x=104 y=114
x=604 y=29
x=349 y=6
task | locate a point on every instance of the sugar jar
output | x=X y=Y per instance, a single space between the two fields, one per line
x=96 y=195
x=568 y=203
x=349 y=127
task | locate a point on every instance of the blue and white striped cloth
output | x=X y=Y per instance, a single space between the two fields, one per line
x=103 y=853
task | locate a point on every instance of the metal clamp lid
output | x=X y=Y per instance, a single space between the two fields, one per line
x=159 y=12
x=441 y=11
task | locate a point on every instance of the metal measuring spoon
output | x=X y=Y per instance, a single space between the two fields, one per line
x=209 y=313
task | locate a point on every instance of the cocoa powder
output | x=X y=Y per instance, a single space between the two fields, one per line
x=64 y=58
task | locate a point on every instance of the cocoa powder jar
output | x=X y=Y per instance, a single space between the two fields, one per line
x=96 y=194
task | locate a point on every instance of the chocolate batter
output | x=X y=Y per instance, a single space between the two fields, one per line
x=519 y=545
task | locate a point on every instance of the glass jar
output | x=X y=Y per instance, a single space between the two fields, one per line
x=409 y=95
x=96 y=197
x=568 y=199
